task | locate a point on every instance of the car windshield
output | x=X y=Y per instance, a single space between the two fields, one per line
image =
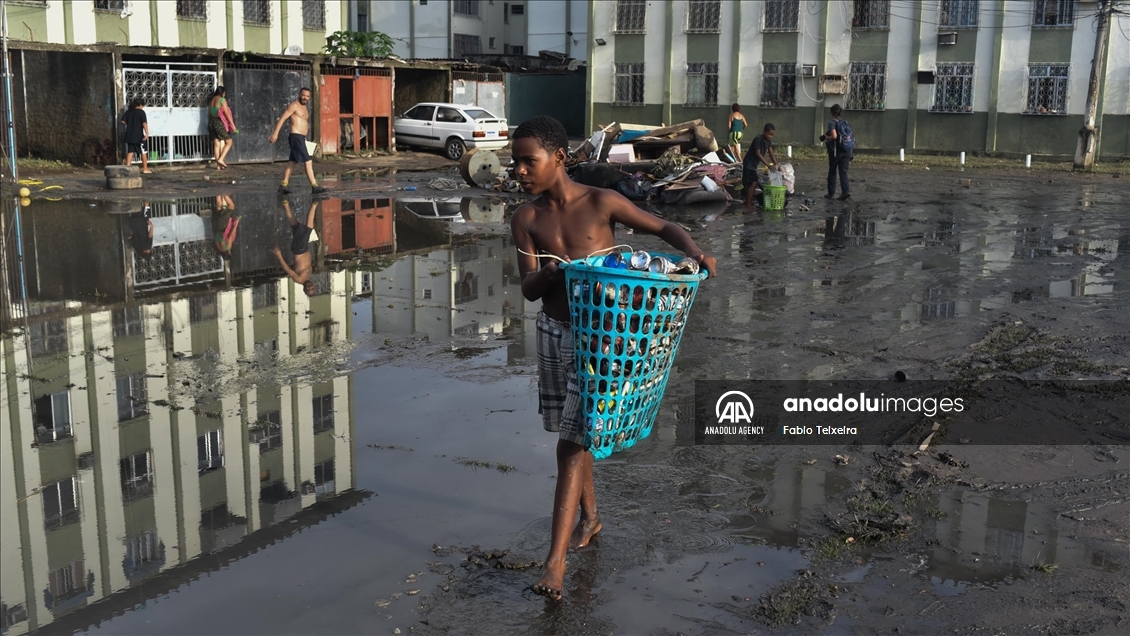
x=478 y=113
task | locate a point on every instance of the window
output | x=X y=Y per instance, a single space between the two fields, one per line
x=467 y=289
x=67 y=582
x=362 y=17
x=778 y=85
x=144 y=554
x=265 y=295
x=506 y=13
x=1047 y=89
x=48 y=338
x=953 y=88
x=702 y=83
x=133 y=400
x=704 y=16
x=490 y=43
x=867 y=88
x=127 y=322
x=629 y=84
x=267 y=431
x=116 y=6
x=427 y=294
x=517 y=50
x=192 y=9
x=137 y=476
x=466 y=45
x=366 y=282
x=449 y=114
x=631 y=16
x=11 y=616
x=422 y=113
x=324 y=413
x=1054 y=13
x=314 y=15
x=960 y=14
x=518 y=9
x=466 y=7
x=210 y=451
x=781 y=15
x=60 y=503
x=257 y=12
x=871 y=14
x=52 y=417
x=202 y=308
x=324 y=478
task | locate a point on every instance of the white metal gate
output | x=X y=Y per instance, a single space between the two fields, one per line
x=179 y=256
x=176 y=105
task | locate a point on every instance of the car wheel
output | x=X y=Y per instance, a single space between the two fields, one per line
x=455 y=149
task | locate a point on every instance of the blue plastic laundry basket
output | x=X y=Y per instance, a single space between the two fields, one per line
x=626 y=325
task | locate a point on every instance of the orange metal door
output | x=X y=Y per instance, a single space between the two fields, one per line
x=328 y=116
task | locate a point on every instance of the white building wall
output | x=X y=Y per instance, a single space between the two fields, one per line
x=1014 y=56
x=898 y=54
x=654 y=54
x=749 y=87
x=678 y=54
x=1116 y=95
x=431 y=34
x=603 y=57
x=168 y=31
x=837 y=54
x=1082 y=51
x=726 y=55
x=983 y=69
x=82 y=20
x=140 y=25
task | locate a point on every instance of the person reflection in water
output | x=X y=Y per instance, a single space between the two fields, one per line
x=225 y=223
x=140 y=235
x=303 y=234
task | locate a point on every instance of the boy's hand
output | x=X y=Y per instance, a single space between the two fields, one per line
x=706 y=261
x=276 y=251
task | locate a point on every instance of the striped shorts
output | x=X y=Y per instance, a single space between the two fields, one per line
x=559 y=397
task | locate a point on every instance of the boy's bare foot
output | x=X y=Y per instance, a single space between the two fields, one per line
x=552 y=580
x=584 y=531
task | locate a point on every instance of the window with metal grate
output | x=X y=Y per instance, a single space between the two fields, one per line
x=631 y=16
x=781 y=15
x=702 y=83
x=1047 y=89
x=959 y=14
x=628 y=87
x=953 y=88
x=778 y=85
x=257 y=12
x=314 y=15
x=867 y=86
x=1053 y=13
x=192 y=9
x=704 y=16
x=871 y=14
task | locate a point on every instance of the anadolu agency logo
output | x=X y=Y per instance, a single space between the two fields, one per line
x=734 y=414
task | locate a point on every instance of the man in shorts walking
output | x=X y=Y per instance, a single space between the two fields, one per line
x=299 y=127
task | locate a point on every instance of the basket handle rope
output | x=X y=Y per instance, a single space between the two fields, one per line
x=606 y=249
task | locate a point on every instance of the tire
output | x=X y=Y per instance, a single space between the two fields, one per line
x=121 y=172
x=454 y=149
x=123 y=183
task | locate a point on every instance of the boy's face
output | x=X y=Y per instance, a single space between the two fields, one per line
x=535 y=169
x=769 y=134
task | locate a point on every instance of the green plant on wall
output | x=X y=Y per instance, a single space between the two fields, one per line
x=354 y=44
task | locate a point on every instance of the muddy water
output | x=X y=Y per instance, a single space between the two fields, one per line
x=190 y=431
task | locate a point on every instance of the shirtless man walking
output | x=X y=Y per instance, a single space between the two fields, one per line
x=299 y=125
x=300 y=247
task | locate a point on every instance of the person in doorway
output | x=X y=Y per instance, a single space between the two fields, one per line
x=225 y=223
x=760 y=153
x=567 y=218
x=140 y=230
x=137 y=134
x=737 y=124
x=839 y=155
x=220 y=126
x=299 y=126
x=302 y=236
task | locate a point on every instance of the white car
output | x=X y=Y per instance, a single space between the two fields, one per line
x=453 y=127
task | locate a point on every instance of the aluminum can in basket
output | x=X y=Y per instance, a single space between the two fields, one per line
x=660 y=265
x=687 y=266
x=640 y=260
x=616 y=261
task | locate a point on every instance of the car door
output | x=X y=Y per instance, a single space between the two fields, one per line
x=415 y=128
x=450 y=123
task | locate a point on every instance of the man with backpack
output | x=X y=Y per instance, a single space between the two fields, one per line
x=841 y=145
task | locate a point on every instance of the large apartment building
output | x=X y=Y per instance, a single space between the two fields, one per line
x=997 y=76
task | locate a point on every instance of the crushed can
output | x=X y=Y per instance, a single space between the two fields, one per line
x=688 y=266
x=616 y=261
x=640 y=260
x=660 y=265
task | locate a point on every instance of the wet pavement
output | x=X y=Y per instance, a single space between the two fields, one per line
x=187 y=430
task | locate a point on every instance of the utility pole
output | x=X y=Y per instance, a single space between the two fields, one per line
x=1085 y=151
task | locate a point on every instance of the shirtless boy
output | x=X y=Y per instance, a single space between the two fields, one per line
x=567 y=219
x=300 y=247
x=299 y=125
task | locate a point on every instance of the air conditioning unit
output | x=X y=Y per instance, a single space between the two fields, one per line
x=948 y=37
x=833 y=84
x=808 y=70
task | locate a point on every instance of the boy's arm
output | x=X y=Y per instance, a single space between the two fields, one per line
x=150 y=228
x=535 y=282
x=278 y=254
x=627 y=214
x=278 y=126
x=145 y=128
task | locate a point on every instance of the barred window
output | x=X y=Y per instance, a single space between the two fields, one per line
x=314 y=15
x=194 y=9
x=133 y=398
x=781 y=15
x=323 y=413
x=867 y=88
x=702 y=83
x=466 y=7
x=210 y=450
x=257 y=12
x=953 y=88
x=871 y=14
x=137 y=476
x=960 y=14
x=704 y=16
x=1054 y=13
x=466 y=45
x=778 y=85
x=629 y=84
x=117 y=6
x=631 y=16
x=1047 y=89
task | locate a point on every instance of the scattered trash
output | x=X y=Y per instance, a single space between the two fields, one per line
x=841 y=460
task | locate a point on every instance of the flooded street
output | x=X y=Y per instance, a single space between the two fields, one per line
x=192 y=445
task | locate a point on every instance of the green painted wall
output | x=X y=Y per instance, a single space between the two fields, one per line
x=213 y=486
x=64 y=546
x=312 y=42
x=702 y=47
x=781 y=47
x=794 y=125
x=648 y=114
x=1050 y=46
x=110 y=27
x=323 y=446
x=258 y=38
x=876 y=129
x=868 y=46
x=205 y=336
x=57 y=460
x=193 y=33
x=951 y=131
x=141 y=515
x=715 y=118
x=1038 y=134
x=1115 y=136
x=134 y=437
x=630 y=48
x=26 y=22
x=964 y=51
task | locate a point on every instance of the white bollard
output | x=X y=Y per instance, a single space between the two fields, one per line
x=963 y=158
x=1028 y=161
x=790 y=152
x=902 y=154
